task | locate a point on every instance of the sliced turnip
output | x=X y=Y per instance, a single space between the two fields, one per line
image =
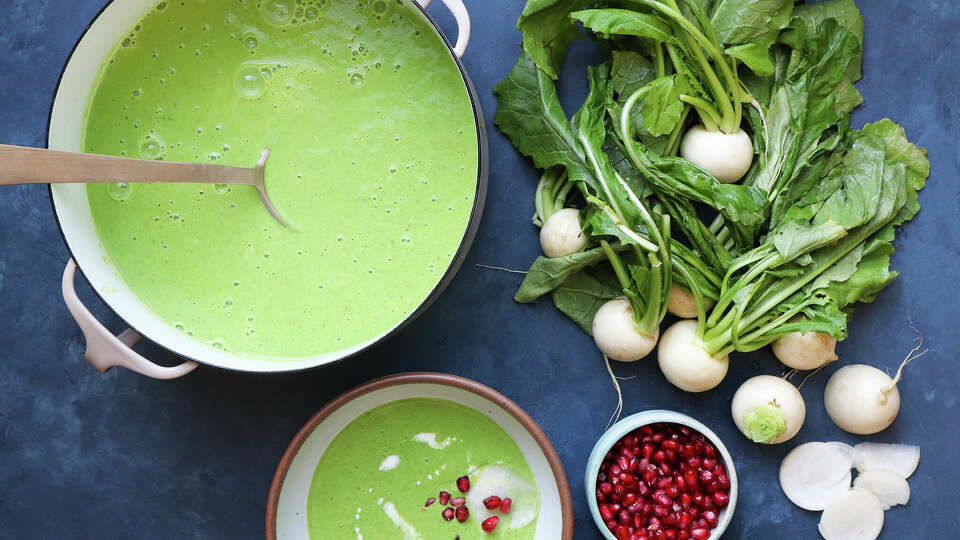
x=854 y=515
x=726 y=156
x=768 y=409
x=805 y=351
x=899 y=458
x=888 y=486
x=682 y=303
x=684 y=361
x=843 y=447
x=503 y=481
x=812 y=473
x=616 y=334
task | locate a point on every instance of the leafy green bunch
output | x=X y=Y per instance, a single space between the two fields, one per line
x=805 y=234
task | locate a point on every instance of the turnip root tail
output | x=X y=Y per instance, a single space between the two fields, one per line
x=616 y=384
x=911 y=356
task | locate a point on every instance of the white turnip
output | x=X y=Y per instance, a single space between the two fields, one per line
x=561 y=234
x=682 y=303
x=616 y=334
x=853 y=515
x=861 y=399
x=684 y=361
x=805 y=351
x=768 y=409
x=726 y=156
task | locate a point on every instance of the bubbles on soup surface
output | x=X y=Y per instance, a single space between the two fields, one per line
x=277 y=12
x=249 y=82
x=119 y=191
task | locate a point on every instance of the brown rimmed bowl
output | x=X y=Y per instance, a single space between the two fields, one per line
x=287 y=502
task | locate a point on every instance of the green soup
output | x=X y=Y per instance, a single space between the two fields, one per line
x=374 y=479
x=374 y=161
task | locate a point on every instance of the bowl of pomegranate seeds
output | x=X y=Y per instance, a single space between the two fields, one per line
x=420 y=455
x=661 y=475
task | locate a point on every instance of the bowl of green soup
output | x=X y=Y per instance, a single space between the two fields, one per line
x=378 y=159
x=420 y=456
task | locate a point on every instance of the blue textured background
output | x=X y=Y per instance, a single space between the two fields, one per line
x=84 y=455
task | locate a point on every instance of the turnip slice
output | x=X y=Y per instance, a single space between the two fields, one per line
x=813 y=473
x=843 y=447
x=503 y=481
x=899 y=458
x=888 y=486
x=853 y=515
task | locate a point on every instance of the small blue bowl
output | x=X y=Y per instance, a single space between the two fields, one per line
x=632 y=422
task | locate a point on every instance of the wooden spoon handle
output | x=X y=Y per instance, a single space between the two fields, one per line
x=22 y=165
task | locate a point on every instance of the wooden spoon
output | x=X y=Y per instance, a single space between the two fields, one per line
x=22 y=165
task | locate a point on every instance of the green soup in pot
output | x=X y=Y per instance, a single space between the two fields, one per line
x=374 y=160
x=376 y=476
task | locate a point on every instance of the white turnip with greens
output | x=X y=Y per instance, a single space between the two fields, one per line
x=562 y=235
x=803 y=235
x=805 y=351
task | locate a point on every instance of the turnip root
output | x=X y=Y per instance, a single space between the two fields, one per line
x=861 y=399
x=813 y=473
x=768 y=409
x=726 y=156
x=615 y=332
x=805 y=351
x=854 y=515
x=685 y=363
x=889 y=487
x=562 y=235
x=899 y=458
x=683 y=303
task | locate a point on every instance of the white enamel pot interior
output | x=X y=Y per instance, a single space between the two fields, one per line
x=73 y=214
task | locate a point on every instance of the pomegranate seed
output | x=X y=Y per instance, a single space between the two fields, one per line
x=462 y=513
x=624 y=516
x=665 y=469
x=447 y=513
x=430 y=501
x=723 y=481
x=659 y=456
x=706 y=476
x=683 y=535
x=606 y=512
x=661 y=497
x=615 y=470
x=505 y=505
x=606 y=488
x=661 y=510
x=699 y=534
x=650 y=475
x=720 y=498
x=709 y=463
x=646 y=450
x=459 y=501
x=624 y=463
x=693 y=462
x=492 y=502
x=444 y=498
x=463 y=484
x=711 y=518
x=653 y=524
x=690 y=478
x=685 y=500
x=490 y=524
x=670 y=445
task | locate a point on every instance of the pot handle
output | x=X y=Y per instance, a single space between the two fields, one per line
x=463 y=23
x=104 y=350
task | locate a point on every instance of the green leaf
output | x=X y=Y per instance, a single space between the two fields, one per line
x=625 y=22
x=582 y=294
x=755 y=55
x=629 y=71
x=548 y=31
x=546 y=273
x=743 y=21
x=661 y=107
x=530 y=114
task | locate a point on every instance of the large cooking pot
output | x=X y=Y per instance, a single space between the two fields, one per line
x=70 y=204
